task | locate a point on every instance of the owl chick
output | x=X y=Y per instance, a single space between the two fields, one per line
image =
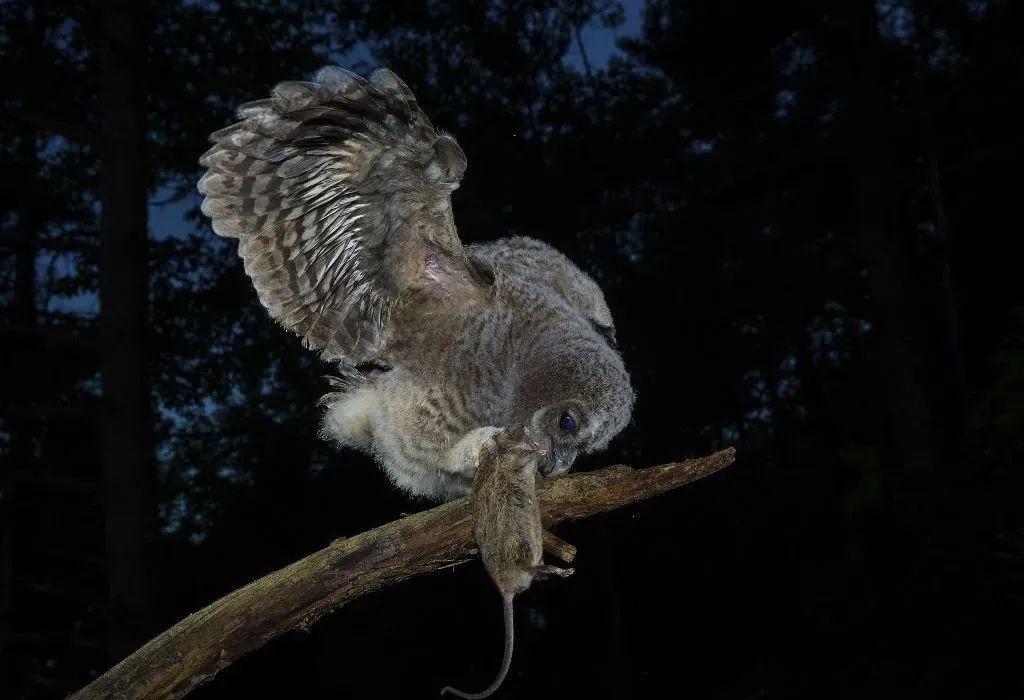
x=339 y=193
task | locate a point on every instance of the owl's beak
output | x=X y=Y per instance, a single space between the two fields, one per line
x=557 y=460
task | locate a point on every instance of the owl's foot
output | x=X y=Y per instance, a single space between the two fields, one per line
x=463 y=459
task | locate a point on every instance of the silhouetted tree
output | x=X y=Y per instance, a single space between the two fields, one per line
x=801 y=213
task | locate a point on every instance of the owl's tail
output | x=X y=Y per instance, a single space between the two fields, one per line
x=345 y=384
x=347 y=380
x=350 y=407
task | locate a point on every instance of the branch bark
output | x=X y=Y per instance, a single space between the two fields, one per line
x=195 y=649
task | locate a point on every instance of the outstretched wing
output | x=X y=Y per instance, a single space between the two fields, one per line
x=339 y=191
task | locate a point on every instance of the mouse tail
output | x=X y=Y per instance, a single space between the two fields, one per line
x=506 y=661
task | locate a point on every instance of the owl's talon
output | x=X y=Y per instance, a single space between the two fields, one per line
x=397 y=299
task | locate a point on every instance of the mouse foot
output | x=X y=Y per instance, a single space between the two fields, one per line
x=546 y=571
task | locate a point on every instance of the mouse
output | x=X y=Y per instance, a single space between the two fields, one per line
x=508 y=529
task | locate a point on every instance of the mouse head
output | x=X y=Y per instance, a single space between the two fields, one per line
x=513 y=449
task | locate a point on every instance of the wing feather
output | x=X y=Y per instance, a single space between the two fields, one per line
x=338 y=190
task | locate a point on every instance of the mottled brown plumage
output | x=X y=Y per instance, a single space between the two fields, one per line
x=339 y=192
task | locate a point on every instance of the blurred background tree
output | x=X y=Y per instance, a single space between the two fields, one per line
x=801 y=212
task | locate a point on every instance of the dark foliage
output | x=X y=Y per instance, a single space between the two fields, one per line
x=803 y=214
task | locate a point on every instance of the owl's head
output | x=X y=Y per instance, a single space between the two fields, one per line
x=580 y=398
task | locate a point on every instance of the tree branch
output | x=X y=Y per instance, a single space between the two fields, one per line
x=557 y=547
x=192 y=651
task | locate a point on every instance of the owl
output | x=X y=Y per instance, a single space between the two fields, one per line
x=338 y=191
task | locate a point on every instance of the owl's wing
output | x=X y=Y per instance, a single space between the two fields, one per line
x=339 y=193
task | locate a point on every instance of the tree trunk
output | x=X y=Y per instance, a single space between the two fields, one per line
x=128 y=469
x=20 y=388
x=949 y=295
x=887 y=252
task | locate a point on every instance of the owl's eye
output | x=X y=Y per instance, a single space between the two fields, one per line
x=567 y=423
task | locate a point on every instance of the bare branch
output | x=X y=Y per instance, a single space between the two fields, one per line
x=558 y=547
x=195 y=649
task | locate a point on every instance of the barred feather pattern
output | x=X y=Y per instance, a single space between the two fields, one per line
x=338 y=191
x=535 y=350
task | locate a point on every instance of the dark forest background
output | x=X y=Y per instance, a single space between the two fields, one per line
x=802 y=213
